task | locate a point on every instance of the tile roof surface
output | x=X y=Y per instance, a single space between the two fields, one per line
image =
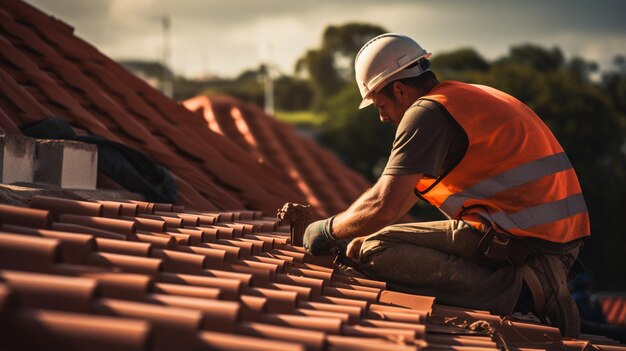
x=137 y=276
x=133 y=275
x=326 y=183
x=45 y=70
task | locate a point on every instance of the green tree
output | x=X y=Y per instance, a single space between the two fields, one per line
x=582 y=69
x=330 y=67
x=292 y=94
x=458 y=62
x=324 y=78
x=614 y=83
x=535 y=56
x=356 y=135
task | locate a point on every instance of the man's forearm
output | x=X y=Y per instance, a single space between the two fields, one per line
x=375 y=209
x=379 y=206
x=362 y=218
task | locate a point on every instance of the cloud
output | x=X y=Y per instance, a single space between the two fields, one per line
x=227 y=37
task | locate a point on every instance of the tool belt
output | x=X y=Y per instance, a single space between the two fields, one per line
x=498 y=249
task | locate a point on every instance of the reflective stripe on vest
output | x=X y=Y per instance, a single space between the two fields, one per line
x=507 y=180
x=538 y=215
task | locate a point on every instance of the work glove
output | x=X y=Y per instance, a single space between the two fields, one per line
x=318 y=239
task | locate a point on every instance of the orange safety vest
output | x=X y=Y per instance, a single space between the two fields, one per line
x=515 y=174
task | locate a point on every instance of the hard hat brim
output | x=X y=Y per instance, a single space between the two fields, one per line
x=365 y=102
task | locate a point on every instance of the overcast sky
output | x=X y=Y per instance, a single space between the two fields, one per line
x=226 y=37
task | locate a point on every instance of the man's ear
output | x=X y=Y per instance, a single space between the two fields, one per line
x=399 y=90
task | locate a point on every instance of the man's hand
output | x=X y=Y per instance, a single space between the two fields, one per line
x=318 y=239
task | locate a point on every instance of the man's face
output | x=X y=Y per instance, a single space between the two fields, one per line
x=389 y=109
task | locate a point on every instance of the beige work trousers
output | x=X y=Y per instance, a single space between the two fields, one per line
x=437 y=259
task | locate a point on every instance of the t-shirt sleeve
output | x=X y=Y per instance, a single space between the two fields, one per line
x=422 y=142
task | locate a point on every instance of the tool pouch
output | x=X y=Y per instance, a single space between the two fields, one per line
x=493 y=249
x=497 y=249
x=498 y=246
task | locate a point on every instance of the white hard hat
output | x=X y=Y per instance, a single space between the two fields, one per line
x=383 y=60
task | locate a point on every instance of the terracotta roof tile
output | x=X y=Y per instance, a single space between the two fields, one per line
x=73 y=246
x=77 y=228
x=78 y=331
x=174 y=327
x=312 y=340
x=28 y=253
x=25 y=216
x=125 y=286
x=221 y=341
x=614 y=308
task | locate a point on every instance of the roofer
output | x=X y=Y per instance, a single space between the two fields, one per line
x=516 y=211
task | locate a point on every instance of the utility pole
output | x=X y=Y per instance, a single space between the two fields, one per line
x=167 y=86
x=268 y=83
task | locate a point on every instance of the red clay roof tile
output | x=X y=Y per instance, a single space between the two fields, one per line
x=614 y=308
x=28 y=253
x=162 y=241
x=344 y=317
x=73 y=246
x=125 y=286
x=57 y=205
x=312 y=340
x=76 y=330
x=190 y=291
x=25 y=216
x=123 y=247
x=222 y=341
x=174 y=327
x=118 y=226
x=77 y=228
x=51 y=292
x=218 y=315
x=336 y=342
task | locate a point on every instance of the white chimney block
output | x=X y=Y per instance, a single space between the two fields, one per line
x=67 y=164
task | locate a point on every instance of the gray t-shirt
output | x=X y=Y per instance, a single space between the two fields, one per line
x=428 y=140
